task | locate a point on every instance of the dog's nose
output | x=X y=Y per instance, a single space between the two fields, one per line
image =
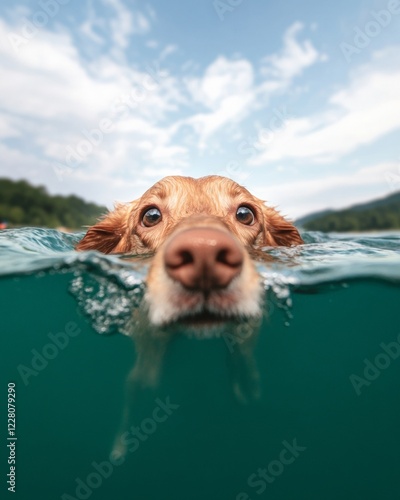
x=203 y=259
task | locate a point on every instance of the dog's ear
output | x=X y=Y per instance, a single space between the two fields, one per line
x=278 y=231
x=108 y=235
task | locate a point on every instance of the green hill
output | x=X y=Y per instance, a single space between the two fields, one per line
x=380 y=214
x=22 y=204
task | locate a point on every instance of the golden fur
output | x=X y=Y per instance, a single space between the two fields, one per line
x=178 y=198
x=168 y=307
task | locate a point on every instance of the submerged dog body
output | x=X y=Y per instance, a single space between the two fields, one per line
x=202 y=278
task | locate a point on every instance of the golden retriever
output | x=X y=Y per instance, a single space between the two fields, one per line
x=202 y=278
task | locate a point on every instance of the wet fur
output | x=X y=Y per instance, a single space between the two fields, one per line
x=186 y=202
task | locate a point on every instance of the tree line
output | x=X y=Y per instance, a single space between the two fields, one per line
x=385 y=216
x=22 y=204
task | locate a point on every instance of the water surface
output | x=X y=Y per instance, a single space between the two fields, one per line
x=328 y=355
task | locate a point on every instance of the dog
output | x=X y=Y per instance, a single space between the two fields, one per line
x=203 y=235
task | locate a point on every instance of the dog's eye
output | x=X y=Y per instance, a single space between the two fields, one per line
x=151 y=217
x=245 y=215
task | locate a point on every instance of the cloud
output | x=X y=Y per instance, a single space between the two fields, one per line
x=280 y=69
x=225 y=92
x=228 y=90
x=359 y=114
x=294 y=57
x=300 y=197
x=6 y=128
x=91 y=24
x=115 y=27
x=46 y=80
x=54 y=99
x=223 y=78
x=157 y=118
x=152 y=44
x=167 y=51
x=126 y=23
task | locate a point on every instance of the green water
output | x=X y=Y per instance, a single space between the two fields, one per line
x=209 y=446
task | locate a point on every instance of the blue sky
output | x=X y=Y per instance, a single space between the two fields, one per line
x=299 y=101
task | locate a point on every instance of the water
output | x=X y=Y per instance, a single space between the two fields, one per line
x=326 y=424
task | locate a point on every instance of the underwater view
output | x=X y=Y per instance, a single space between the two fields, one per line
x=322 y=424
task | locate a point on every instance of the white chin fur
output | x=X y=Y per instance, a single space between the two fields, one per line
x=171 y=302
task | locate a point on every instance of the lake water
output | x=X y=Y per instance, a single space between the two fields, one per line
x=327 y=423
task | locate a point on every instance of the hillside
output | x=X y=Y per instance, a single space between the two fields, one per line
x=22 y=204
x=380 y=214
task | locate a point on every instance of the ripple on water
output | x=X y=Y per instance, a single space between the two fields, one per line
x=107 y=287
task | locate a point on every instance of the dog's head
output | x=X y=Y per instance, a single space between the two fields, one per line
x=143 y=225
x=200 y=231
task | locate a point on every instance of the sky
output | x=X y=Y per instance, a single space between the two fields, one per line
x=298 y=101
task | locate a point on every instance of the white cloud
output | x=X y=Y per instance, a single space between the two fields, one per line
x=223 y=78
x=49 y=96
x=228 y=88
x=280 y=69
x=117 y=27
x=46 y=80
x=359 y=114
x=126 y=23
x=294 y=57
x=6 y=127
x=167 y=51
x=91 y=23
x=300 y=197
x=152 y=44
x=225 y=90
